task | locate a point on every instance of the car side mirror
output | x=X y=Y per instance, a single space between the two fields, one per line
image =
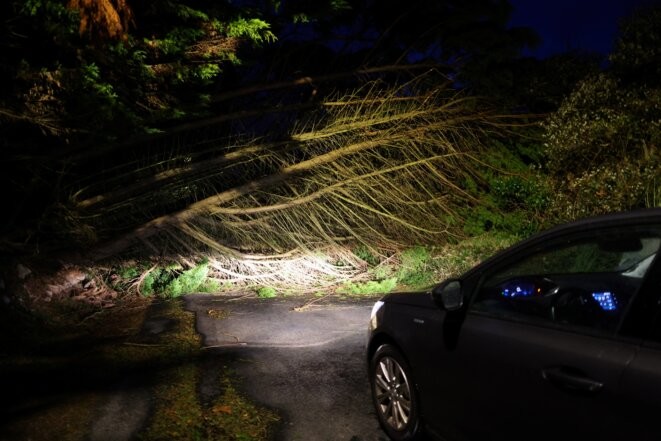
x=448 y=295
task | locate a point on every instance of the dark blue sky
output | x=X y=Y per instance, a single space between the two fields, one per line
x=573 y=24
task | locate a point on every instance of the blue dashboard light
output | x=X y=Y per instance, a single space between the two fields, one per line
x=518 y=289
x=606 y=300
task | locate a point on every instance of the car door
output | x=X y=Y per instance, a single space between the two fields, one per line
x=640 y=388
x=538 y=354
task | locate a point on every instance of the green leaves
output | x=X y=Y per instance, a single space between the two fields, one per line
x=91 y=76
x=50 y=10
x=602 y=142
x=188 y=13
x=266 y=292
x=255 y=30
x=369 y=287
x=161 y=68
x=518 y=192
x=176 y=41
x=415 y=269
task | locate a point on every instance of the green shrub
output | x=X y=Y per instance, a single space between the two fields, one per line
x=147 y=287
x=522 y=221
x=129 y=272
x=608 y=188
x=517 y=192
x=602 y=143
x=481 y=219
x=266 y=292
x=371 y=287
x=454 y=260
x=382 y=272
x=512 y=194
x=210 y=285
x=415 y=269
x=188 y=282
x=364 y=253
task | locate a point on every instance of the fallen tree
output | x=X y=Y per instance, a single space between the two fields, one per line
x=380 y=170
x=382 y=166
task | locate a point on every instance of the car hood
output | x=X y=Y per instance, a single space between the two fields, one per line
x=418 y=299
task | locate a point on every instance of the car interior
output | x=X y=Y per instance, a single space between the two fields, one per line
x=584 y=284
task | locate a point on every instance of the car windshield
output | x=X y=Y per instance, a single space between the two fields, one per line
x=638 y=269
x=635 y=263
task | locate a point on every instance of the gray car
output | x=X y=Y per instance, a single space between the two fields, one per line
x=556 y=338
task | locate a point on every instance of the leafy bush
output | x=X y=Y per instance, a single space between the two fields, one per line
x=513 y=195
x=518 y=192
x=455 y=259
x=364 y=253
x=382 y=272
x=609 y=188
x=522 y=202
x=151 y=281
x=188 y=282
x=601 y=121
x=171 y=281
x=602 y=143
x=371 y=287
x=266 y=292
x=422 y=267
x=481 y=219
x=602 y=148
x=129 y=272
x=415 y=269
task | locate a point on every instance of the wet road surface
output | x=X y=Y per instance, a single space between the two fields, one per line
x=307 y=363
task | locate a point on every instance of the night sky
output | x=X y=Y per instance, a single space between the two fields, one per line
x=573 y=24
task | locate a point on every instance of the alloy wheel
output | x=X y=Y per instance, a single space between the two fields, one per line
x=392 y=393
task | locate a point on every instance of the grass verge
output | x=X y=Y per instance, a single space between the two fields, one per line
x=420 y=267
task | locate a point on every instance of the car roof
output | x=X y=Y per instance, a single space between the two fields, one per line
x=643 y=214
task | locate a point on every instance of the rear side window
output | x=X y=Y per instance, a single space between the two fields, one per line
x=585 y=281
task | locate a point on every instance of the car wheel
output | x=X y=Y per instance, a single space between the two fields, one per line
x=394 y=395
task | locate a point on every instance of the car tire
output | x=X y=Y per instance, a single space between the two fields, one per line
x=394 y=395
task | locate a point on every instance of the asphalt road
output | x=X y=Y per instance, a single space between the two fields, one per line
x=308 y=364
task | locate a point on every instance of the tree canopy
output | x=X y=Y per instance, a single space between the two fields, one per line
x=119 y=67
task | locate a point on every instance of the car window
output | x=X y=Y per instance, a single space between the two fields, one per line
x=585 y=281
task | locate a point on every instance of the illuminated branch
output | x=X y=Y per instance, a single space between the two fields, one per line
x=385 y=172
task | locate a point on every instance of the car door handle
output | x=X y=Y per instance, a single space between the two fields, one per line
x=569 y=379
